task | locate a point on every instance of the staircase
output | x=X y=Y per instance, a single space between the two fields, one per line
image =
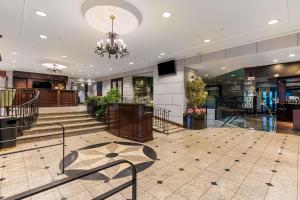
x=169 y=128
x=75 y=123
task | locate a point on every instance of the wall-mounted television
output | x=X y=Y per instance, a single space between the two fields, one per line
x=166 y=68
x=41 y=84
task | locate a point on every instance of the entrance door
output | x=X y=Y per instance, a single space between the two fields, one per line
x=118 y=84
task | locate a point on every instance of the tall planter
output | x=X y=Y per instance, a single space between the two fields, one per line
x=194 y=123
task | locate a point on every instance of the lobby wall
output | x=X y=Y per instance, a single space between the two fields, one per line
x=168 y=91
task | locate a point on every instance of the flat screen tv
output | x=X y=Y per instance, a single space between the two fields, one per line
x=166 y=68
x=41 y=84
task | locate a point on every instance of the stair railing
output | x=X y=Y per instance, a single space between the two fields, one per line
x=24 y=150
x=22 y=104
x=132 y=182
x=161 y=119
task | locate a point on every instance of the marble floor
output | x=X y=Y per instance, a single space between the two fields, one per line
x=215 y=163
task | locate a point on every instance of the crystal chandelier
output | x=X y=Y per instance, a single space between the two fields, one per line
x=54 y=68
x=113 y=45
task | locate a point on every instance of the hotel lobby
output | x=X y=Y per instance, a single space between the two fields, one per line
x=162 y=100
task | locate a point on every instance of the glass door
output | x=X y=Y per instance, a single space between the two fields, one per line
x=118 y=84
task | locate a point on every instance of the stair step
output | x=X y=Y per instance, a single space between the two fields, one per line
x=54 y=135
x=62 y=117
x=176 y=130
x=62 y=113
x=57 y=128
x=65 y=121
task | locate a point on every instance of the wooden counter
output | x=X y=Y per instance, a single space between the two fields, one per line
x=130 y=121
x=285 y=111
x=52 y=98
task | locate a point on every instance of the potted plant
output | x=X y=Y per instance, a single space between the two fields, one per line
x=97 y=105
x=195 y=116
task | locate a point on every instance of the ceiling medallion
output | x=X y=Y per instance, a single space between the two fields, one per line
x=54 y=68
x=113 y=46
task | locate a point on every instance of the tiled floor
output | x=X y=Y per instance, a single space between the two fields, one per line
x=216 y=163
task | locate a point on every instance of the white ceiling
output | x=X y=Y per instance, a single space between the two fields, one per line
x=227 y=23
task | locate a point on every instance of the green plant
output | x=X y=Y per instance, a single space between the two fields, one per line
x=195 y=93
x=113 y=96
x=92 y=100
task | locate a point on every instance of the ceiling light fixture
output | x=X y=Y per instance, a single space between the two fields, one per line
x=207 y=40
x=273 y=21
x=14 y=53
x=206 y=75
x=275 y=60
x=162 y=54
x=54 y=68
x=113 y=45
x=166 y=14
x=40 y=13
x=232 y=75
x=223 y=67
x=91 y=65
x=13 y=61
x=292 y=55
x=276 y=75
x=110 y=69
x=131 y=63
x=64 y=56
x=43 y=36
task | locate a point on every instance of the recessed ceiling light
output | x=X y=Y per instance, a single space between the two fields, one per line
x=276 y=75
x=72 y=73
x=206 y=75
x=273 y=21
x=110 y=69
x=162 y=54
x=63 y=56
x=88 y=75
x=207 y=40
x=91 y=65
x=159 y=57
x=14 y=53
x=131 y=63
x=223 y=67
x=40 y=13
x=292 y=55
x=43 y=36
x=275 y=60
x=167 y=14
x=13 y=61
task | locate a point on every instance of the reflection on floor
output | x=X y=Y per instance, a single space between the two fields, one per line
x=215 y=163
x=264 y=123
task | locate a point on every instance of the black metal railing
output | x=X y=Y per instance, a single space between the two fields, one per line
x=233 y=117
x=132 y=182
x=24 y=150
x=161 y=119
x=22 y=104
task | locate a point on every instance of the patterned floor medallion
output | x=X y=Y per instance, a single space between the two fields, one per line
x=96 y=155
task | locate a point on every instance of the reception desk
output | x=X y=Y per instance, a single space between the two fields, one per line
x=130 y=121
x=53 y=98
